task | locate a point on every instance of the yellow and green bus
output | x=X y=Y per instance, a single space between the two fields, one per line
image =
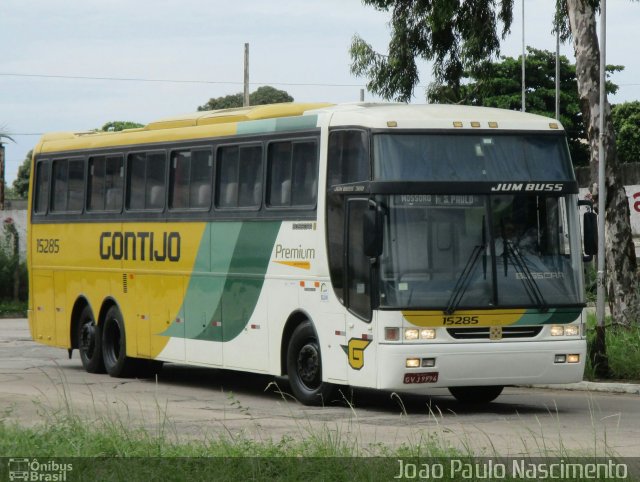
x=389 y=246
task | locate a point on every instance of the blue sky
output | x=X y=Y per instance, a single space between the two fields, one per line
x=293 y=44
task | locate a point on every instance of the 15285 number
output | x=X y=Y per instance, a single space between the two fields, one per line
x=460 y=320
x=47 y=246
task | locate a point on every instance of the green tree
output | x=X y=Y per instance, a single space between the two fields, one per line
x=113 y=126
x=262 y=95
x=455 y=35
x=497 y=84
x=21 y=182
x=626 y=120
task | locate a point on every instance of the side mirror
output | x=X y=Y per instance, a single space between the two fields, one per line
x=372 y=231
x=590 y=226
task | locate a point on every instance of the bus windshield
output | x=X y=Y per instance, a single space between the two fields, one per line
x=478 y=251
x=471 y=157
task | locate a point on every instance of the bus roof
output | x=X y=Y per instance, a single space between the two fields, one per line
x=437 y=116
x=226 y=122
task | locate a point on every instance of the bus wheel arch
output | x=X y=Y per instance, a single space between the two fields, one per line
x=78 y=307
x=295 y=319
x=304 y=363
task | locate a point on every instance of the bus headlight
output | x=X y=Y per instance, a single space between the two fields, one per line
x=411 y=334
x=557 y=331
x=427 y=334
x=419 y=334
x=565 y=330
x=571 y=330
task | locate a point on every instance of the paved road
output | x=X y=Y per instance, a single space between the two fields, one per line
x=36 y=382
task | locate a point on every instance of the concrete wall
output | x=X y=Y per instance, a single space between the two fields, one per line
x=19 y=217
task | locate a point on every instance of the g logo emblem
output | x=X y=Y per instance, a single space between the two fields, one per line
x=355 y=352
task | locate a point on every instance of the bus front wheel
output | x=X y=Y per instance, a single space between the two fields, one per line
x=304 y=367
x=90 y=342
x=476 y=395
x=114 y=352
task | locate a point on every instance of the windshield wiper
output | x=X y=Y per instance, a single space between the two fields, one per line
x=520 y=264
x=464 y=279
x=462 y=284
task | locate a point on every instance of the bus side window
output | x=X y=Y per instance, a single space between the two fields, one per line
x=239 y=176
x=190 y=179
x=293 y=173
x=156 y=182
x=305 y=174
x=41 y=191
x=146 y=185
x=279 y=166
x=200 y=182
x=348 y=157
x=105 y=183
x=250 y=176
x=68 y=185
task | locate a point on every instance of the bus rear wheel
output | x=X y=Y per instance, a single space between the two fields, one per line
x=304 y=367
x=90 y=342
x=114 y=351
x=476 y=395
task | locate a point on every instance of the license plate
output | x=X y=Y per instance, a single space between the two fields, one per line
x=428 y=377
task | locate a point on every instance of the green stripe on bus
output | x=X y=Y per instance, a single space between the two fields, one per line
x=278 y=125
x=208 y=277
x=220 y=300
x=553 y=315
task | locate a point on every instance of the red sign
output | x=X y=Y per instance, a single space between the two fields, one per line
x=426 y=377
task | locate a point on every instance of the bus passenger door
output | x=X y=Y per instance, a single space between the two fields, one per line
x=358 y=285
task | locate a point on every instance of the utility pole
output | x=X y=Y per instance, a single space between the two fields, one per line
x=361 y=95
x=1 y=176
x=557 y=72
x=523 y=60
x=601 y=347
x=245 y=101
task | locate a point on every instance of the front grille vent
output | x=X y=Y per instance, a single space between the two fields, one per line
x=483 y=333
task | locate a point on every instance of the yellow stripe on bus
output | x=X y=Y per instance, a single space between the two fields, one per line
x=464 y=318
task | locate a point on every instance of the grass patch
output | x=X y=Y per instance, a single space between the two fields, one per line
x=623 y=350
x=111 y=450
x=13 y=309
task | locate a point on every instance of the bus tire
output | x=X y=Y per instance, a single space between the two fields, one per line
x=90 y=342
x=304 y=367
x=476 y=395
x=114 y=351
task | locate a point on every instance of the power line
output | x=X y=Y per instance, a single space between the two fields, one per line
x=208 y=82
x=172 y=81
